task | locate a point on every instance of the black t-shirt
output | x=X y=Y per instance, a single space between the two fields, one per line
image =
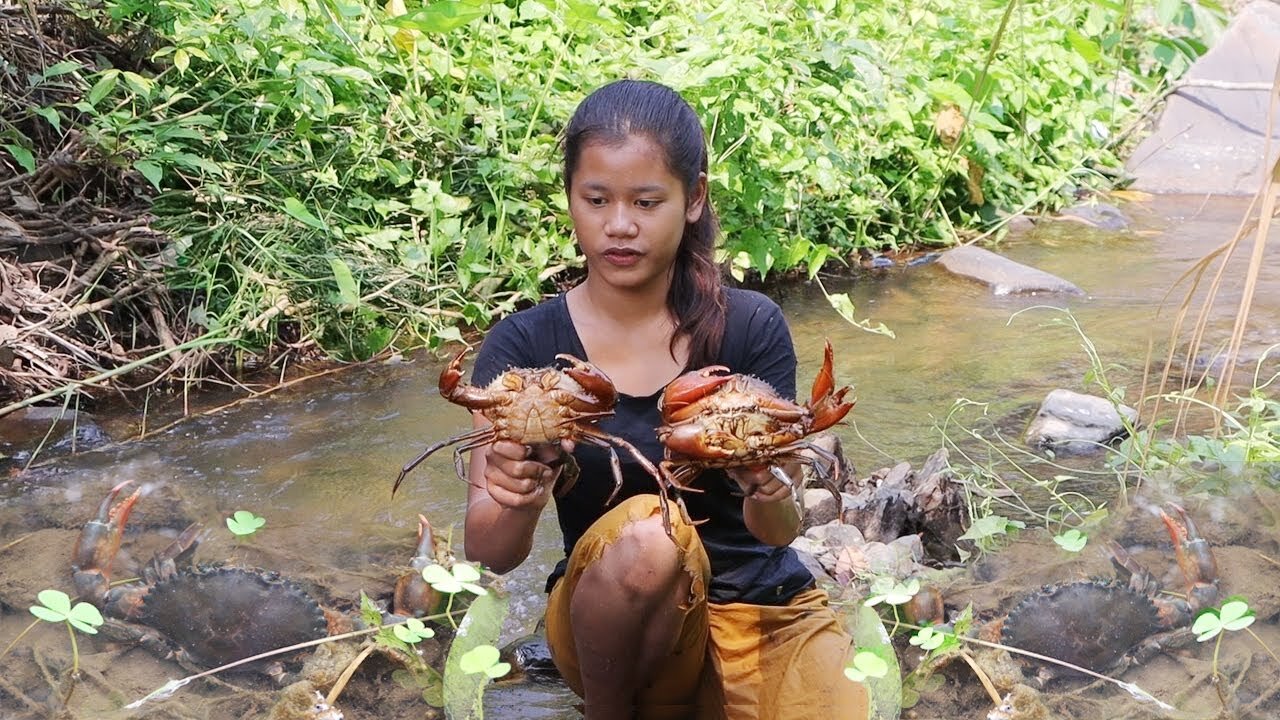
x=756 y=342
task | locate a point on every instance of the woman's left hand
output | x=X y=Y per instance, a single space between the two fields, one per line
x=760 y=484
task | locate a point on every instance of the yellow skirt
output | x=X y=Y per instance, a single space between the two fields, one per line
x=732 y=661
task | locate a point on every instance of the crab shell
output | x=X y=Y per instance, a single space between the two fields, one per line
x=222 y=614
x=1092 y=624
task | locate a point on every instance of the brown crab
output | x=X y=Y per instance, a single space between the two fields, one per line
x=715 y=419
x=535 y=407
x=214 y=615
x=1104 y=625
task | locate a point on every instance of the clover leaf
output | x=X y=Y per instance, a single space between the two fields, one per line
x=461 y=577
x=244 y=522
x=866 y=664
x=928 y=639
x=484 y=659
x=1235 y=614
x=56 y=607
x=413 y=631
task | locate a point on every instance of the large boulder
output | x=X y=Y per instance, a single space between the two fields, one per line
x=1076 y=424
x=1212 y=133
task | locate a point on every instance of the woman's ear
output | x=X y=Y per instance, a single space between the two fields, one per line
x=697 y=199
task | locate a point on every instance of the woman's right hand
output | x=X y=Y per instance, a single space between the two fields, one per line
x=517 y=476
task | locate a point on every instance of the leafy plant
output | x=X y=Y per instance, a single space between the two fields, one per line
x=55 y=607
x=365 y=176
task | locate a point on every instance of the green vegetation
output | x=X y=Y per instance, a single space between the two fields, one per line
x=55 y=607
x=355 y=176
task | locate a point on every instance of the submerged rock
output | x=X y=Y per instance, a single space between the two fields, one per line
x=1004 y=276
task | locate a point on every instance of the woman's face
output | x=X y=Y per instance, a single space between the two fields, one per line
x=629 y=212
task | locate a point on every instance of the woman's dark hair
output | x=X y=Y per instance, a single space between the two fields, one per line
x=624 y=108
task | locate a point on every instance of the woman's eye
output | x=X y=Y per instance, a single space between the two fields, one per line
x=647 y=204
x=596 y=201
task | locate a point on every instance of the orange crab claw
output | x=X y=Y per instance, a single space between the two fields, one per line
x=592 y=379
x=828 y=407
x=689 y=388
x=696 y=441
x=98 y=544
x=1195 y=558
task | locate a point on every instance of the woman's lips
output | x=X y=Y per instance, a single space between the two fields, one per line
x=621 y=257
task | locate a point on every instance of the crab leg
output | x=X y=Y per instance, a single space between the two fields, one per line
x=482 y=436
x=98 y=544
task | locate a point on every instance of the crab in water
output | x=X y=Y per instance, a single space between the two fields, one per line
x=536 y=407
x=213 y=615
x=1106 y=625
x=715 y=419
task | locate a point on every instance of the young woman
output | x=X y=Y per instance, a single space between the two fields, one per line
x=725 y=622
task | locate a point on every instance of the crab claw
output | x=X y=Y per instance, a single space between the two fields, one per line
x=679 y=400
x=1195 y=558
x=413 y=596
x=825 y=402
x=592 y=379
x=98 y=544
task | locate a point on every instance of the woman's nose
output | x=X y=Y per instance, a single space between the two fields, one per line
x=619 y=222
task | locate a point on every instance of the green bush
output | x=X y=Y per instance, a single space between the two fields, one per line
x=362 y=175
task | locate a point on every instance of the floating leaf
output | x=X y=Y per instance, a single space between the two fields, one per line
x=244 y=522
x=1072 y=540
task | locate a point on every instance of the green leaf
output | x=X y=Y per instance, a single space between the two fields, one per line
x=990 y=526
x=348 y=289
x=413 y=631
x=440 y=17
x=1072 y=540
x=181 y=60
x=866 y=664
x=103 y=87
x=1207 y=626
x=23 y=157
x=55 y=600
x=86 y=618
x=51 y=116
x=465 y=573
x=481 y=626
x=150 y=171
x=1236 y=615
x=46 y=614
x=61 y=68
x=294 y=207
x=478 y=659
x=244 y=522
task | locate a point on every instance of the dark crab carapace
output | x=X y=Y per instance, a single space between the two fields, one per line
x=1100 y=625
x=214 y=615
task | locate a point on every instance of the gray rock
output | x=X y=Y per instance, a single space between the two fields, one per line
x=1211 y=139
x=1004 y=276
x=819 y=507
x=1098 y=215
x=1072 y=423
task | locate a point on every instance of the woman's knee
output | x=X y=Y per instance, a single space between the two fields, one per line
x=642 y=559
